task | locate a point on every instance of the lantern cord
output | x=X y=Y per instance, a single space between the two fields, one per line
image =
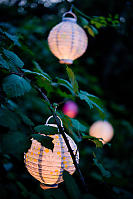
x=71 y=8
x=61 y=130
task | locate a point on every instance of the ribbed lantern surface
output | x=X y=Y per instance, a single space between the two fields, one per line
x=67 y=40
x=102 y=129
x=46 y=165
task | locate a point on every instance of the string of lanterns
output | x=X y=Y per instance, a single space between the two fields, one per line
x=67 y=41
x=47 y=166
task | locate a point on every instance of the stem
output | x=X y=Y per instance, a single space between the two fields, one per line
x=65 y=138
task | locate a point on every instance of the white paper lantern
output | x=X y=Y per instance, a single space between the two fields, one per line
x=102 y=129
x=68 y=40
x=46 y=165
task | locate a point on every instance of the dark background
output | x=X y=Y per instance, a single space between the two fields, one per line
x=105 y=70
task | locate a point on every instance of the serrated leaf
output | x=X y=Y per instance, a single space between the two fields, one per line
x=91 y=100
x=13 y=58
x=72 y=79
x=15 y=86
x=86 y=99
x=45 y=141
x=3 y=63
x=13 y=38
x=65 y=83
x=71 y=186
x=47 y=130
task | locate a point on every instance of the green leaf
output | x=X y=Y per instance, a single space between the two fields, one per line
x=45 y=141
x=104 y=172
x=84 y=21
x=47 y=130
x=97 y=141
x=15 y=86
x=13 y=59
x=44 y=76
x=91 y=100
x=25 y=118
x=71 y=186
x=38 y=68
x=86 y=99
x=65 y=83
x=3 y=63
x=78 y=126
x=27 y=145
x=72 y=79
x=91 y=30
x=13 y=38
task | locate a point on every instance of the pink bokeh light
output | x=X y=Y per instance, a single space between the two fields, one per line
x=70 y=109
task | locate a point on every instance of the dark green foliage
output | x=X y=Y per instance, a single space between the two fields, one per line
x=15 y=86
x=45 y=141
x=3 y=63
x=13 y=143
x=72 y=79
x=13 y=38
x=71 y=186
x=13 y=59
x=47 y=130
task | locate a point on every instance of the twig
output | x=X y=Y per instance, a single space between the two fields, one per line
x=61 y=130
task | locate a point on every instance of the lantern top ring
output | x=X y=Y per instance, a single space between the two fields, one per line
x=72 y=19
x=51 y=117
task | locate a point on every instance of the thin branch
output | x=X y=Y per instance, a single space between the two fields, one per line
x=61 y=130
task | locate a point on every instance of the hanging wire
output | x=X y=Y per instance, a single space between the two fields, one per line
x=71 y=8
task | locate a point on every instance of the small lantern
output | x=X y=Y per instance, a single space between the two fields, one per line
x=102 y=129
x=68 y=40
x=46 y=165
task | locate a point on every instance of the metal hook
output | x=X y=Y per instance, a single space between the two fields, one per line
x=51 y=117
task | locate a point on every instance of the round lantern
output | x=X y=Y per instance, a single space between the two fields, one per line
x=102 y=129
x=46 y=165
x=68 y=40
x=70 y=109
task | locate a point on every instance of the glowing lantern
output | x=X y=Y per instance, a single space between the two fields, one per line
x=68 y=40
x=102 y=129
x=46 y=165
x=70 y=109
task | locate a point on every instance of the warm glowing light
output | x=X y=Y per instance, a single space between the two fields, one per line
x=68 y=40
x=46 y=165
x=102 y=129
x=70 y=109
